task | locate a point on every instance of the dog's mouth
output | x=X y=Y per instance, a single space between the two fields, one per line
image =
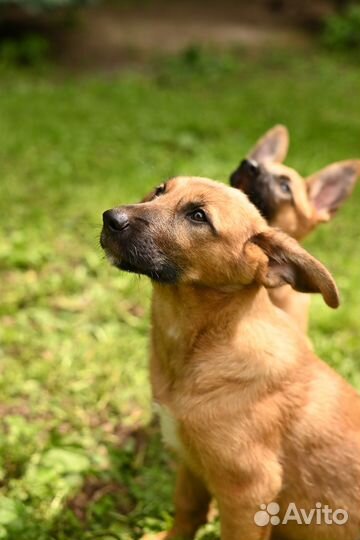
x=138 y=255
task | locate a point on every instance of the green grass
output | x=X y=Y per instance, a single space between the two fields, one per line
x=75 y=461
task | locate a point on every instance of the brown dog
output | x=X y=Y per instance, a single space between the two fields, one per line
x=255 y=417
x=288 y=202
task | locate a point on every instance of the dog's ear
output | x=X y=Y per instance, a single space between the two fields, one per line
x=272 y=147
x=281 y=260
x=329 y=188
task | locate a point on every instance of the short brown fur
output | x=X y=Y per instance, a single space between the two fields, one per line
x=314 y=200
x=253 y=414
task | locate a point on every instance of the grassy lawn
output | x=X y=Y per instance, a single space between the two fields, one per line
x=76 y=462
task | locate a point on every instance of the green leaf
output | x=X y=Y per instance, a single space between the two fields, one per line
x=65 y=461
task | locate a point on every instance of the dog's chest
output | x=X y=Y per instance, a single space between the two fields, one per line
x=169 y=427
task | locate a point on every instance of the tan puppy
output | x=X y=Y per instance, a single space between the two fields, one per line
x=253 y=414
x=290 y=202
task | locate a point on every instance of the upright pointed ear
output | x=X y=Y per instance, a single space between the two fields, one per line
x=272 y=147
x=329 y=188
x=281 y=260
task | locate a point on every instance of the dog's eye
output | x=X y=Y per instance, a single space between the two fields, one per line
x=160 y=190
x=198 y=216
x=284 y=185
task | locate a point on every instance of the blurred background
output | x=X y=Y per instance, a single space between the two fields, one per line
x=99 y=102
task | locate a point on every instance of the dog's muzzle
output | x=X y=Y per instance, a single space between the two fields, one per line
x=246 y=173
x=116 y=227
x=258 y=184
x=129 y=243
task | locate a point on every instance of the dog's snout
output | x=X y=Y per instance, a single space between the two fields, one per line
x=115 y=220
x=249 y=166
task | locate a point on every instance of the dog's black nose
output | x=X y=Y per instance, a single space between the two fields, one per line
x=249 y=166
x=115 y=220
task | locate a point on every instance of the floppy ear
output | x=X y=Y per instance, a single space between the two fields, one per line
x=329 y=188
x=281 y=261
x=272 y=147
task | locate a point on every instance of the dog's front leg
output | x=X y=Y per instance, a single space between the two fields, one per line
x=192 y=501
x=237 y=523
x=240 y=502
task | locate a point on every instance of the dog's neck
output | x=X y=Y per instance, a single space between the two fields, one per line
x=195 y=325
x=189 y=307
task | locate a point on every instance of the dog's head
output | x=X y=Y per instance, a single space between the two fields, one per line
x=281 y=194
x=200 y=232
